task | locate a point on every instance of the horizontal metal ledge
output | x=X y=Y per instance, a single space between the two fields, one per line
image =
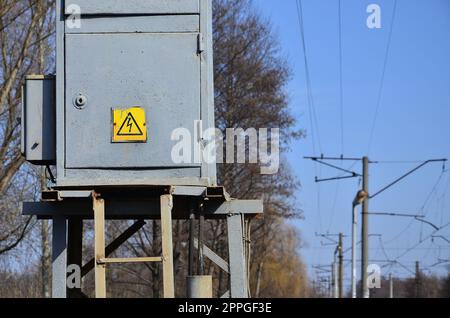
x=100 y=7
x=54 y=195
x=142 y=209
x=130 y=260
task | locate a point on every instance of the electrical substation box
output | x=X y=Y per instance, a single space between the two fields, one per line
x=129 y=75
x=38 y=122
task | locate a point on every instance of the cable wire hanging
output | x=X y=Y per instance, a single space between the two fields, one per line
x=383 y=75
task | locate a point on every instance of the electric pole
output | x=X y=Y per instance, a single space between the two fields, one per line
x=365 y=230
x=334 y=277
x=391 y=286
x=365 y=196
x=418 y=281
x=341 y=265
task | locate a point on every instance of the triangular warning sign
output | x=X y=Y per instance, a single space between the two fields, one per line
x=130 y=127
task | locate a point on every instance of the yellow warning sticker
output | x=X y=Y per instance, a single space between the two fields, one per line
x=129 y=125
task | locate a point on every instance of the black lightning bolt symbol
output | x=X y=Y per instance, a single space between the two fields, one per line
x=129 y=124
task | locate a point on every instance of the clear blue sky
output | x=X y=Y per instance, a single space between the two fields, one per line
x=412 y=125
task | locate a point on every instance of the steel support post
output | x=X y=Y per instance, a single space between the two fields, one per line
x=59 y=257
x=199 y=287
x=99 y=246
x=354 y=229
x=75 y=250
x=365 y=231
x=391 y=286
x=238 y=276
x=167 y=249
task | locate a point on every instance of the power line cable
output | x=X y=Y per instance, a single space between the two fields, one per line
x=337 y=189
x=310 y=98
x=315 y=133
x=341 y=81
x=422 y=241
x=341 y=109
x=383 y=75
x=433 y=190
x=422 y=209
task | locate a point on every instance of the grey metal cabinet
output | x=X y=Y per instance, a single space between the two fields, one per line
x=38 y=143
x=162 y=75
x=151 y=54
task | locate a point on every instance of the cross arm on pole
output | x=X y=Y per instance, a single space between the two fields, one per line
x=417 y=217
x=321 y=160
x=406 y=175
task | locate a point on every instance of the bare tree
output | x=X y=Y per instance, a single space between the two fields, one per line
x=25 y=30
x=250 y=92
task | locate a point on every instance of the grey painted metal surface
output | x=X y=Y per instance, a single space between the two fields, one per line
x=216 y=259
x=59 y=257
x=99 y=246
x=74 y=251
x=238 y=275
x=207 y=75
x=167 y=246
x=226 y=295
x=38 y=120
x=161 y=73
x=135 y=6
x=188 y=191
x=148 y=53
x=75 y=204
x=139 y=208
x=199 y=287
x=139 y=177
x=157 y=24
x=365 y=292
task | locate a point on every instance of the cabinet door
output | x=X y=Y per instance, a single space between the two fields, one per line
x=159 y=72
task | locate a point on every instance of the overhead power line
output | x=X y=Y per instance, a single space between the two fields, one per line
x=310 y=99
x=341 y=76
x=383 y=75
x=407 y=175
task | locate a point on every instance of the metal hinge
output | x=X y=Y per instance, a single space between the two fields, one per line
x=200 y=43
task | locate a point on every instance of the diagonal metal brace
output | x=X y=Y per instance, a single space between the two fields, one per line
x=338 y=168
x=136 y=227
x=216 y=259
x=336 y=178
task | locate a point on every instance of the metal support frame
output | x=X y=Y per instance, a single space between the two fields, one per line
x=75 y=251
x=391 y=286
x=114 y=245
x=100 y=251
x=99 y=246
x=365 y=293
x=199 y=287
x=68 y=208
x=238 y=273
x=166 y=238
x=354 y=229
x=341 y=265
x=334 y=279
x=59 y=257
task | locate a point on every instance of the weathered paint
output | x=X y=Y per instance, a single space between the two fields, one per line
x=142 y=53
